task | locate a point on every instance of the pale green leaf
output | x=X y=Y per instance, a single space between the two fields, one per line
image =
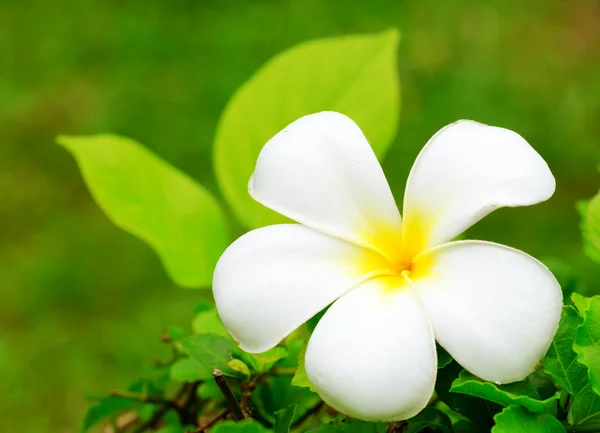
x=210 y=350
x=589 y=248
x=284 y=419
x=587 y=342
x=560 y=361
x=355 y=75
x=239 y=367
x=209 y=322
x=593 y=221
x=585 y=407
x=300 y=378
x=581 y=302
x=515 y=419
x=154 y=201
x=519 y=393
x=264 y=361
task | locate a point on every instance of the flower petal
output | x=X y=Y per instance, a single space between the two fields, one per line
x=493 y=308
x=463 y=173
x=322 y=172
x=271 y=280
x=372 y=355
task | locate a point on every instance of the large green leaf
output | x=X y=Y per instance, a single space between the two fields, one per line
x=515 y=419
x=355 y=75
x=561 y=361
x=587 y=342
x=189 y=370
x=284 y=419
x=154 y=201
x=209 y=350
x=209 y=322
x=585 y=407
x=519 y=393
x=105 y=409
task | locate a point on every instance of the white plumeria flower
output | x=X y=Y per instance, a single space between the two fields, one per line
x=397 y=285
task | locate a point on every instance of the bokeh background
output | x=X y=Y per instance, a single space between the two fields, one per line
x=82 y=304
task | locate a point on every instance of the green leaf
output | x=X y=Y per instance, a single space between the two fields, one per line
x=106 y=408
x=585 y=407
x=560 y=361
x=284 y=419
x=209 y=390
x=581 y=302
x=210 y=350
x=264 y=361
x=246 y=426
x=355 y=75
x=189 y=370
x=430 y=419
x=593 y=221
x=519 y=393
x=347 y=425
x=515 y=419
x=154 y=201
x=209 y=322
x=300 y=378
x=587 y=342
x=239 y=367
x=588 y=247
x=443 y=357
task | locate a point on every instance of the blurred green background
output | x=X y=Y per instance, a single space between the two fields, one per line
x=82 y=304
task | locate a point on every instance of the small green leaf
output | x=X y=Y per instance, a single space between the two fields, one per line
x=430 y=419
x=189 y=370
x=210 y=350
x=443 y=357
x=581 y=302
x=105 y=409
x=347 y=425
x=560 y=361
x=300 y=378
x=587 y=342
x=154 y=201
x=515 y=419
x=208 y=322
x=284 y=419
x=355 y=75
x=209 y=390
x=585 y=407
x=174 y=333
x=264 y=361
x=593 y=221
x=588 y=247
x=239 y=367
x=519 y=393
x=246 y=426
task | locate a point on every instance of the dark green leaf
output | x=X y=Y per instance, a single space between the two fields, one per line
x=585 y=407
x=189 y=370
x=432 y=419
x=284 y=419
x=347 y=425
x=519 y=393
x=587 y=342
x=443 y=357
x=560 y=361
x=107 y=408
x=355 y=75
x=246 y=426
x=154 y=201
x=210 y=350
x=515 y=419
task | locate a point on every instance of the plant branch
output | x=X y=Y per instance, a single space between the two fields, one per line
x=145 y=398
x=230 y=398
x=212 y=422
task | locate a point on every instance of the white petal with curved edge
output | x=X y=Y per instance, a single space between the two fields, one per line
x=466 y=171
x=372 y=355
x=321 y=171
x=271 y=280
x=493 y=308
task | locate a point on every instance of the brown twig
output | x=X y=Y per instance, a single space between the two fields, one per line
x=212 y=422
x=230 y=398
